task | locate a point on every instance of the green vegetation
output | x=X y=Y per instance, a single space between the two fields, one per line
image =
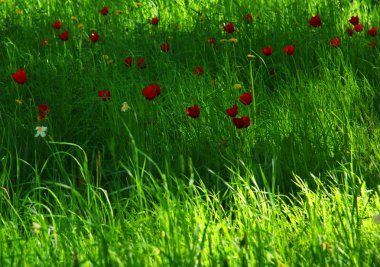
x=123 y=180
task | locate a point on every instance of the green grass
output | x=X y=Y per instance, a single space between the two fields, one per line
x=152 y=186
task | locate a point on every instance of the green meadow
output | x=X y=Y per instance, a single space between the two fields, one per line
x=189 y=133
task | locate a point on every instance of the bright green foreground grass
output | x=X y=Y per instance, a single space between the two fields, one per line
x=152 y=186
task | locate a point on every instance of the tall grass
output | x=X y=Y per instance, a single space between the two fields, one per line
x=152 y=186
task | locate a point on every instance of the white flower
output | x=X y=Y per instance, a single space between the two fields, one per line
x=376 y=218
x=125 y=107
x=41 y=131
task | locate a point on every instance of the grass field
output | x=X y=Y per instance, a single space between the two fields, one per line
x=189 y=133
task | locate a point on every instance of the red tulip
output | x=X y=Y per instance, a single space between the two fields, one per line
x=289 y=49
x=154 y=21
x=315 y=21
x=43 y=42
x=104 y=11
x=141 y=63
x=373 y=31
x=19 y=76
x=349 y=32
x=267 y=50
x=248 y=18
x=165 y=47
x=150 y=92
x=57 y=25
x=212 y=40
x=198 y=70
x=246 y=98
x=358 y=27
x=128 y=61
x=104 y=94
x=233 y=111
x=64 y=36
x=229 y=28
x=242 y=122
x=43 y=110
x=193 y=111
x=354 y=20
x=335 y=42
x=94 y=37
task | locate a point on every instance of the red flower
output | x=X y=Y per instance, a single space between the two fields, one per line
x=141 y=63
x=358 y=28
x=104 y=11
x=198 y=70
x=246 y=98
x=289 y=49
x=151 y=91
x=43 y=110
x=128 y=61
x=315 y=21
x=43 y=42
x=165 y=47
x=229 y=28
x=212 y=40
x=248 y=18
x=354 y=20
x=64 y=36
x=372 y=44
x=267 y=50
x=373 y=31
x=154 y=21
x=349 y=32
x=233 y=111
x=193 y=111
x=104 y=94
x=19 y=76
x=94 y=37
x=242 y=122
x=57 y=25
x=335 y=42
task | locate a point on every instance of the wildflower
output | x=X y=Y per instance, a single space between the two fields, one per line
x=138 y=4
x=73 y=18
x=358 y=27
x=335 y=42
x=373 y=31
x=165 y=47
x=372 y=44
x=289 y=49
x=104 y=11
x=19 y=12
x=267 y=50
x=229 y=28
x=150 y=92
x=19 y=101
x=237 y=86
x=118 y=12
x=248 y=18
x=233 y=111
x=349 y=32
x=141 y=63
x=315 y=21
x=41 y=131
x=198 y=71
x=354 y=20
x=233 y=40
x=94 y=37
x=251 y=56
x=43 y=42
x=246 y=98
x=193 y=111
x=104 y=95
x=212 y=40
x=242 y=122
x=36 y=228
x=64 y=36
x=376 y=218
x=108 y=59
x=80 y=26
x=125 y=107
x=57 y=25
x=19 y=76
x=128 y=61
x=43 y=110
x=154 y=21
